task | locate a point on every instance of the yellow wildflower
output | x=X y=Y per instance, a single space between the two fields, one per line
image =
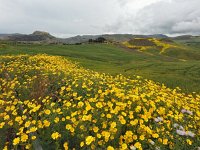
x=124 y=146
x=155 y=135
x=138 y=145
x=110 y=148
x=2 y=124
x=189 y=142
x=27 y=124
x=46 y=123
x=47 y=111
x=65 y=145
x=33 y=137
x=138 y=108
x=32 y=129
x=113 y=125
x=24 y=137
x=28 y=146
x=56 y=120
x=89 y=140
x=81 y=144
x=165 y=141
x=68 y=126
x=16 y=141
x=80 y=104
x=135 y=122
x=55 y=135
x=108 y=116
x=95 y=129
x=142 y=137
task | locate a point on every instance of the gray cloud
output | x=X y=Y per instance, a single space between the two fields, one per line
x=168 y=17
x=72 y=17
x=57 y=16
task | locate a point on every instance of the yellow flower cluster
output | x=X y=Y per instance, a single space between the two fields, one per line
x=162 y=46
x=50 y=100
x=140 y=48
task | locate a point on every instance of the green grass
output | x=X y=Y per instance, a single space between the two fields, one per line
x=114 y=60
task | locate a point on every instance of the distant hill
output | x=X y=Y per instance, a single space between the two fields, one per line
x=108 y=37
x=6 y=36
x=41 y=36
x=183 y=37
x=46 y=37
x=35 y=36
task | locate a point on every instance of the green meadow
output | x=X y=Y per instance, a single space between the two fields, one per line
x=178 y=67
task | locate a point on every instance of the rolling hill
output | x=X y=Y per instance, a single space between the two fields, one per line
x=166 y=47
x=48 y=38
x=35 y=36
x=172 y=61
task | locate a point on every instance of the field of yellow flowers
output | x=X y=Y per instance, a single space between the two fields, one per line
x=161 y=46
x=49 y=102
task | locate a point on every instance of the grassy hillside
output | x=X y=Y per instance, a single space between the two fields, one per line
x=169 y=69
x=50 y=102
x=166 y=47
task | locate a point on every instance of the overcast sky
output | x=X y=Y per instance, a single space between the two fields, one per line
x=65 y=18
